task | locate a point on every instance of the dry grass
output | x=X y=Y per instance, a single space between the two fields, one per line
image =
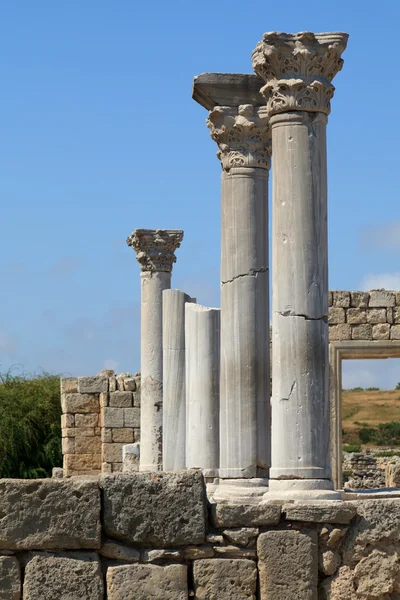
x=368 y=409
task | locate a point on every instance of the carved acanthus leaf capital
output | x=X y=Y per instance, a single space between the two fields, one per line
x=155 y=248
x=242 y=134
x=298 y=69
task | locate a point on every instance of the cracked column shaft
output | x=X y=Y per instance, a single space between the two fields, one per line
x=298 y=70
x=155 y=253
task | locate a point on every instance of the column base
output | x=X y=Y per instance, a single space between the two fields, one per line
x=301 y=489
x=237 y=491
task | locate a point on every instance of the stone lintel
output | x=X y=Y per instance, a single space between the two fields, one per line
x=227 y=89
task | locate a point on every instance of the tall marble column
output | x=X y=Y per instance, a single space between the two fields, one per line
x=298 y=70
x=155 y=253
x=238 y=123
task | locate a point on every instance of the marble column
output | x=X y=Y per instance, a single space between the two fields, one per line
x=155 y=253
x=298 y=70
x=239 y=126
x=202 y=339
x=174 y=399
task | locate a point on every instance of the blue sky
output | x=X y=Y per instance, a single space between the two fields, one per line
x=100 y=136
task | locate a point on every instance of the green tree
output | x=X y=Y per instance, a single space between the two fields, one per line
x=398 y=386
x=30 y=425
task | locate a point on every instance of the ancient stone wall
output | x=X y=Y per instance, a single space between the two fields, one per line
x=154 y=536
x=100 y=415
x=373 y=315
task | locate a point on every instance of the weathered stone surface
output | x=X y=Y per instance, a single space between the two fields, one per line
x=338 y=587
x=69 y=385
x=341 y=298
x=49 y=514
x=57 y=472
x=70 y=577
x=288 y=565
x=361 y=332
x=87 y=420
x=381 y=298
x=81 y=462
x=87 y=445
x=242 y=535
x=235 y=552
x=121 y=399
x=130 y=384
x=80 y=403
x=376 y=315
x=381 y=331
x=393 y=474
x=92 y=385
x=396 y=314
x=336 y=315
x=113 y=417
x=356 y=316
x=160 y=555
x=147 y=582
x=245 y=515
x=378 y=522
x=359 y=299
x=112 y=452
x=10 y=578
x=131 y=417
x=377 y=575
x=340 y=332
x=395 y=332
x=217 y=579
x=116 y=551
x=123 y=436
x=155 y=509
x=322 y=512
x=328 y=561
x=196 y=552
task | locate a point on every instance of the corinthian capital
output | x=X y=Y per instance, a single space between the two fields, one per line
x=242 y=135
x=298 y=69
x=155 y=248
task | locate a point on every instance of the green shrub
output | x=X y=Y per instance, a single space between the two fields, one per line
x=388 y=434
x=357 y=389
x=367 y=435
x=397 y=386
x=351 y=448
x=372 y=389
x=384 y=453
x=30 y=427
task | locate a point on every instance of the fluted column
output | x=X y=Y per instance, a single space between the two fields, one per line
x=239 y=126
x=298 y=70
x=155 y=253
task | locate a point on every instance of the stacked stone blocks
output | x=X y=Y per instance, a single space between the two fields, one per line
x=373 y=315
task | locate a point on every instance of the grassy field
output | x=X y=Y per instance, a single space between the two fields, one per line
x=367 y=409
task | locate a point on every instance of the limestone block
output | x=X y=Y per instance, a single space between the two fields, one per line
x=131 y=417
x=330 y=298
x=74 y=576
x=242 y=515
x=381 y=299
x=112 y=452
x=80 y=403
x=393 y=474
x=339 y=332
x=106 y=468
x=88 y=420
x=398 y=298
x=361 y=332
x=147 y=582
x=104 y=396
x=113 y=417
x=341 y=299
x=57 y=472
x=136 y=399
x=328 y=561
x=162 y=556
x=69 y=385
x=81 y=462
x=67 y=420
x=112 y=384
x=49 y=513
x=136 y=434
x=376 y=315
x=130 y=458
x=396 y=314
x=215 y=579
x=115 y=551
x=155 y=509
x=395 y=332
x=87 y=445
x=106 y=435
x=82 y=432
x=389 y=315
x=288 y=565
x=338 y=587
x=231 y=551
x=195 y=552
x=359 y=299
x=121 y=399
x=356 y=316
x=68 y=445
x=124 y=435
x=244 y=536
x=10 y=578
x=93 y=385
x=376 y=575
x=381 y=331
x=130 y=384
x=336 y=315
x=378 y=522
x=323 y=512
x=116 y=467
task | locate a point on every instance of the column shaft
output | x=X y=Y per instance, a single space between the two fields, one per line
x=245 y=395
x=202 y=339
x=153 y=284
x=300 y=424
x=174 y=401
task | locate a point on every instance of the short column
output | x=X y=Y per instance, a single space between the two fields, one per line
x=174 y=400
x=298 y=70
x=155 y=254
x=202 y=340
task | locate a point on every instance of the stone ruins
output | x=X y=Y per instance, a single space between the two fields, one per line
x=192 y=478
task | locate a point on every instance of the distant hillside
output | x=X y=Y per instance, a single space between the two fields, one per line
x=367 y=411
